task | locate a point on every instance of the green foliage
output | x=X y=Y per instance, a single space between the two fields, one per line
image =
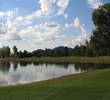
x=15 y=50
x=100 y=40
x=101 y=17
x=4 y=52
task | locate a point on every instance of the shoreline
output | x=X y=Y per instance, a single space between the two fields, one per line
x=104 y=60
x=59 y=78
x=65 y=77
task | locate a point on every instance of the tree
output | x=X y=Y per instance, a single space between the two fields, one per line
x=7 y=51
x=4 y=52
x=100 y=39
x=101 y=17
x=15 y=50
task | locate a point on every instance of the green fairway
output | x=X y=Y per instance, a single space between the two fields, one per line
x=89 y=86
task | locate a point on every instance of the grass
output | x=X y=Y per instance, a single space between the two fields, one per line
x=89 y=86
x=67 y=59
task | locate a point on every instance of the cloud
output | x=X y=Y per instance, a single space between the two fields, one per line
x=10 y=29
x=94 y=3
x=48 y=32
x=47 y=37
x=43 y=33
x=11 y=36
x=3 y=29
x=51 y=31
x=8 y=13
x=47 y=8
x=77 y=23
x=81 y=38
x=18 y=27
x=63 y=5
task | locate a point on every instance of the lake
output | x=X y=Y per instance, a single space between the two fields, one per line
x=14 y=73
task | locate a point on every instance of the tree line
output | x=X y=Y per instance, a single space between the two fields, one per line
x=98 y=45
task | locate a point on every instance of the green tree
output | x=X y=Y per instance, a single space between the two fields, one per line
x=100 y=39
x=15 y=50
x=4 y=52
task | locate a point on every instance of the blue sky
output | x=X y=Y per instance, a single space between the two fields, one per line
x=33 y=24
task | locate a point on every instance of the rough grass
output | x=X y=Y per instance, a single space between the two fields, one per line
x=89 y=86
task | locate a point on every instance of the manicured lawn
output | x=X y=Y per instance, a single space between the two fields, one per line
x=89 y=86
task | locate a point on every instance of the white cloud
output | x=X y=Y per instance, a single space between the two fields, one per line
x=8 y=30
x=77 y=23
x=42 y=33
x=94 y=3
x=47 y=37
x=8 y=13
x=3 y=28
x=46 y=9
x=46 y=32
x=81 y=38
x=11 y=36
x=63 y=5
x=20 y=20
x=2 y=14
x=46 y=6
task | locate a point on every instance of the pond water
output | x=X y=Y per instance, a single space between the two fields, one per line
x=14 y=73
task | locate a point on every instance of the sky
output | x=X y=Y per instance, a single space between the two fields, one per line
x=40 y=24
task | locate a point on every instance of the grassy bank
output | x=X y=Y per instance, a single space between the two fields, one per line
x=89 y=86
x=64 y=59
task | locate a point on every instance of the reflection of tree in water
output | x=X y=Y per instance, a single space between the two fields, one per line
x=65 y=65
x=90 y=66
x=15 y=65
x=61 y=65
x=38 y=63
x=24 y=64
x=5 y=66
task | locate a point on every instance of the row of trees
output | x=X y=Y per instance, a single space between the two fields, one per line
x=56 y=52
x=99 y=44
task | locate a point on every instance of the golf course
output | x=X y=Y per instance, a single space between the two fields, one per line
x=54 y=49
x=93 y=85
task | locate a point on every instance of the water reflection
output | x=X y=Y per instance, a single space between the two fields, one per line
x=13 y=73
x=90 y=66
x=4 y=66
